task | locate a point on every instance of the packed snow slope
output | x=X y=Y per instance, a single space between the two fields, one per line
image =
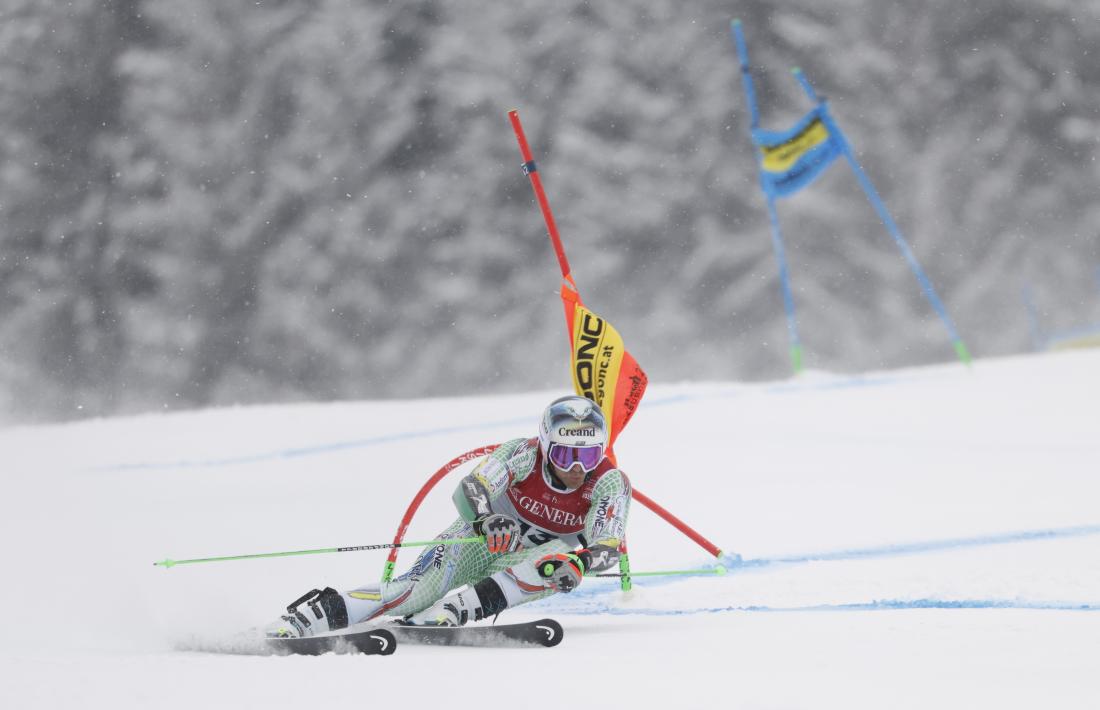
x=913 y=539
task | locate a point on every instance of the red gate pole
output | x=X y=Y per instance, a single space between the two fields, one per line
x=391 y=561
x=677 y=523
x=531 y=171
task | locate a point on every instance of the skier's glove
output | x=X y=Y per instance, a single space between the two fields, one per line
x=562 y=572
x=502 y=533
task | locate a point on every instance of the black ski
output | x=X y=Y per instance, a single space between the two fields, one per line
x=374 y=642
x=544 y=632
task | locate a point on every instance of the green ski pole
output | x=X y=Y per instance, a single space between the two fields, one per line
x=716 y=570
x=426 y=543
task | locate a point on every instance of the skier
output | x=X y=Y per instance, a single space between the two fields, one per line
x=550 y=508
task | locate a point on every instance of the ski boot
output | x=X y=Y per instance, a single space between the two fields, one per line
x=452 y=610
x=324 y=611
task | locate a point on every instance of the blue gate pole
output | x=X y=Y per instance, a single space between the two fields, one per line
x=746 y=73
x=773 y=213
x=1037 y=339
x=785 y=285
x=880 y=207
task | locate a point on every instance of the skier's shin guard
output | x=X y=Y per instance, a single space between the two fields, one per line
x=491 y=598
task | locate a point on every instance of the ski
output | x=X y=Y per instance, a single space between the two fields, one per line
x=383 y=641
x=373 y=642
x=544 y=632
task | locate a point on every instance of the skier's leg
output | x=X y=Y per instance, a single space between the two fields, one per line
x=437 y=571
x=511 y=580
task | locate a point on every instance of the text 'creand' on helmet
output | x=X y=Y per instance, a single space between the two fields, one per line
x=573 y=421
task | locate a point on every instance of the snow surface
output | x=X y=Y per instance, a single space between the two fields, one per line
x=925 y=538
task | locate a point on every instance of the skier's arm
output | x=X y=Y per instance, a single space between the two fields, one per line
x=472 y=497
x=605 y=524
x=475 y=493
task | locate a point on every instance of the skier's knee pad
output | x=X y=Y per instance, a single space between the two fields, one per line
x=511 y=587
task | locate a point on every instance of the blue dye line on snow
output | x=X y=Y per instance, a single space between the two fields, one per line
x=734 y=564
x=876 y=605
x=320 y=449
x=314 y=450
x=913 y=548
x=588 y=599
x=792 y=387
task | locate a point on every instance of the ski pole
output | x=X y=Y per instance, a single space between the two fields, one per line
x=716 y=570
x=425 y=543
x=391 y=561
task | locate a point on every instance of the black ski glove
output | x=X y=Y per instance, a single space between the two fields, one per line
x=502 y=533
x=562 y=571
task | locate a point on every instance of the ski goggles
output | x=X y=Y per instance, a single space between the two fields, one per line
x=564 y=457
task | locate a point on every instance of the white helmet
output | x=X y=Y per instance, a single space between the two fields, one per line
x=573 y=430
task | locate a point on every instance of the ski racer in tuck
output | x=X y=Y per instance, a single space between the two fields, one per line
x=550 y=509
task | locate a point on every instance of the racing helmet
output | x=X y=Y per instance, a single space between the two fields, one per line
x=573 y=430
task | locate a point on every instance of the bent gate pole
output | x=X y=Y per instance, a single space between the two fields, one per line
x=410 y=512
x=391 y=561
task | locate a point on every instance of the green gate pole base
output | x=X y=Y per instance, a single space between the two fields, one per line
x=796 y=359
x=962 y=352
